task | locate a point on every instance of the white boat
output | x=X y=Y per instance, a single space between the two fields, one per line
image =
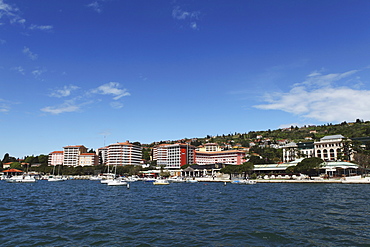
x=244 y=181
x=107 y=177
x=117 y=182
x=56 y=179
x=192 y=181
x=21 y=179
x=176 y=180
x=161 y=182
x=95 y=178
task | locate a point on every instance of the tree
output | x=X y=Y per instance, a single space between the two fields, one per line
x=16 y=165
x=230 y=169
x=309 y=165
x=246 y=168
x=363 y=160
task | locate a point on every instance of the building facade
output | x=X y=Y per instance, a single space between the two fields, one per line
x=103 y=155
x=88 y=159
x=229 y=157
x=124 y=153
x=56 y=158
x=174 y=156
x=71 y=154
x=329 y=147
x=210 y=147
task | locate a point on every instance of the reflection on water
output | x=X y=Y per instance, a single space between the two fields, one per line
x=86 y=213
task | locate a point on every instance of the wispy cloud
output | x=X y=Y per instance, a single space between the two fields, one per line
x=10 y=12
x=29 y=53
x=4 y=106
x=87 y=97
x=38 y=72
x=55 y=110
x=64 y=92
x=2 y=41
x=41 y=27
x=189 y=17
x=111 y=88
x=116 y=105
x=320 y=97
x=96 y=6
x=19 y=69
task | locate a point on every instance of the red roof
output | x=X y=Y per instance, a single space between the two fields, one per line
x=12 y=170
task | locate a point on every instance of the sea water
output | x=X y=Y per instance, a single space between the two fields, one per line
x=87 y=213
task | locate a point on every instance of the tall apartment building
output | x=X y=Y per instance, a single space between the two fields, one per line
x=124 y=153
x=228 y=157
x=71 y=154
x=173 y=156
x=103 y=155
x=56 y=158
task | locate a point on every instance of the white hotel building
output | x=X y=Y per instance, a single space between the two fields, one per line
x=228 y=157
x=71 y=154
x=174 y=156
x=124 y=153
x=56 y=158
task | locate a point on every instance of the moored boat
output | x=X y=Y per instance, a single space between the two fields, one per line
x=117 y=182
x=21 y=179
x=161 y=182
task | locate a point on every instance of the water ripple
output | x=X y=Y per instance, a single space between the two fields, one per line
x=87 y=213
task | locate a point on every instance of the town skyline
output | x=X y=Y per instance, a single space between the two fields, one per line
x=97 y=72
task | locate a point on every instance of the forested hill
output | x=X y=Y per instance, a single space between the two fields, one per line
x=297 y=134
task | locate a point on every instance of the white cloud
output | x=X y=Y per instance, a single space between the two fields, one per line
x=64 y=92
x=113 y=89
x=10 y=12
x=2 y=41
x=41 y=27
x=60 y=109
x=95 y=5
x=88 y=97
x=116 y=105
x=19 y=69
x=5 y=105
x=29 y=53
x=189 y=17
x=318 y=98
x=38 y=72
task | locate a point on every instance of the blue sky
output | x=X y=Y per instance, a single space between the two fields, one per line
x=93 y=72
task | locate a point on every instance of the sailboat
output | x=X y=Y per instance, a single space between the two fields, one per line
x=107 y=177
x=117 y=181
x=54 y=178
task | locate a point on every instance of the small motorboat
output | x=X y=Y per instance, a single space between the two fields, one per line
x=161 y=182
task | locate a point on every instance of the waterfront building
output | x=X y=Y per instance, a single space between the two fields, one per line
x=174 y=156
x=103 y=155
x=329 y=147
x=71 y=154
x=209 y=147
x=56 y=158
x=124 y=153
x=293 y=151
x=228 y=157
x=88 y=159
